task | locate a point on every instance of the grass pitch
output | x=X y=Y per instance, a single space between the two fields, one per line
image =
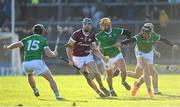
x=15 y=91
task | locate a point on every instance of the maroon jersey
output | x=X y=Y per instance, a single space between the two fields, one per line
x=82 y=43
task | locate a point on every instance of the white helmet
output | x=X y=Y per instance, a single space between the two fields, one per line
x=147 y=27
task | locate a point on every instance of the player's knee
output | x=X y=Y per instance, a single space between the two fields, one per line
x=49 y=78
x=143 y=63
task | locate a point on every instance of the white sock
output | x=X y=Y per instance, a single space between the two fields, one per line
x=156 y=90
x=35 y=90
x=56 y=93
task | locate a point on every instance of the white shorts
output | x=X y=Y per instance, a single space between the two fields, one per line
x=80 y=61
x=111 y=63
x=149 y=57
x=35 y=66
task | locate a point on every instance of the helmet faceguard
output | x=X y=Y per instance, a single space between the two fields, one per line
x=147 y=27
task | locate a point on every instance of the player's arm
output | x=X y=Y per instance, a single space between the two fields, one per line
x=157 y=53
x=96 y=51
x=128 y=41
x=124 y=42
x=166 y=41
x=49 y=52
x=13 y=45
x=69 y=48
x=127 y=33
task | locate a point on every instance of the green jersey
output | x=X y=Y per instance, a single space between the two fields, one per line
x=107 y=39
x=146 y=46
x=34 y=47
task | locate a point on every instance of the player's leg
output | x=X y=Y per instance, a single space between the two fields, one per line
x=137 y=85
x=79 y=62
x=120 y=63
x=144 y=64
x=116 y=72
x=41 y=69
x=32 y=83
x=94 y=87
x=141 y=81
x=138 y=70
x=137 y=74
x=109 y=78
x=91 y=83
x=48 y=76
x=134 y=74
x=93 y=67
x=28 y=69
x=154 y=80
x=110 y=81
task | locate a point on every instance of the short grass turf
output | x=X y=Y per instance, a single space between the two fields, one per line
x=15 y=91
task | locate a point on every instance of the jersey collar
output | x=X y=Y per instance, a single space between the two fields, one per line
x=85 y=33
x=36 y=34
x=109 y=31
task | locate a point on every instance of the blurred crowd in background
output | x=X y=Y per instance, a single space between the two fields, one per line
x=131 y=14
x=29 y=11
